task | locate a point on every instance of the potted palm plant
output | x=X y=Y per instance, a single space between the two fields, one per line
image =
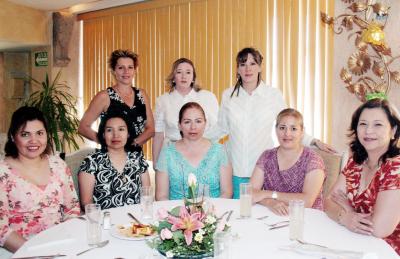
x=59 y=109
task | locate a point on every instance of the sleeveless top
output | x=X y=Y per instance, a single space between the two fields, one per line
x=136 y=113
x=178 y=168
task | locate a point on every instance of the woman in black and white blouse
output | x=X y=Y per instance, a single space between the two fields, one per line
x=112 y=176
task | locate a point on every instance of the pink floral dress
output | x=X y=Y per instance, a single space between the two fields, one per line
x=27 y=208
x=387 y=177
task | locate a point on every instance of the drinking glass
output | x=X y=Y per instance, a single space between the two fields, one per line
x=245 y=200
x=222 y=245
x=93 y=223
x=296 y=219
x=203 y=194
x=146 y=201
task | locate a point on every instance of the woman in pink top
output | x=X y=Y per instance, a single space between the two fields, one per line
x=36 y=189
x=290 y=171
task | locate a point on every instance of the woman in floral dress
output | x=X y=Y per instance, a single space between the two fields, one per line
x=36 y=189
x=366 y=196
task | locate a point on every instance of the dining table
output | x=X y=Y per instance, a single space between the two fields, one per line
x=251 y=237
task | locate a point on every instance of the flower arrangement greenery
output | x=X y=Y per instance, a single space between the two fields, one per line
x=186 y=231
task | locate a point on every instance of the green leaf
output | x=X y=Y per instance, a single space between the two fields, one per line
x=59 y=109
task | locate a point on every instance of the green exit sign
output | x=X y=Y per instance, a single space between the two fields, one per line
x=41 y=59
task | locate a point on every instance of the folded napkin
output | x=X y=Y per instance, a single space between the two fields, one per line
x=328 y=253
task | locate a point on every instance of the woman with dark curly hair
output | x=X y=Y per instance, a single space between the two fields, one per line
x=112 y=176
x=123 y=98
x=366 y=196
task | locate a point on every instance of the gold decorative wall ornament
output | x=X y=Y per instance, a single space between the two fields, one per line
x=370 y=62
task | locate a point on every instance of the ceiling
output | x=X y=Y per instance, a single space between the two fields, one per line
x=51 y=5
x=75 y=6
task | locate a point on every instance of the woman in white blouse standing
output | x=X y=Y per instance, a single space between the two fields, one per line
x=247 y=115
x=183 y=89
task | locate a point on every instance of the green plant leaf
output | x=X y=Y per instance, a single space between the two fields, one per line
x=59 y=109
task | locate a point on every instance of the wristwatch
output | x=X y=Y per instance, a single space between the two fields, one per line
x=274 y=195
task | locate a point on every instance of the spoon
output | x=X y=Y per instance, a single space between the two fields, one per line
x=99 y=245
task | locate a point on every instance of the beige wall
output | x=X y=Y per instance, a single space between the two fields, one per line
x=22 y=25
x=343 y=101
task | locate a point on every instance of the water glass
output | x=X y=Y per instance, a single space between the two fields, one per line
x=93 y=223
x=222 y=245
x=245 y=200
x=146 y=202
x=296 y=219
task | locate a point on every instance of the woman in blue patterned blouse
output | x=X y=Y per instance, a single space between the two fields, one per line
x=112 y=176
x=192 y=154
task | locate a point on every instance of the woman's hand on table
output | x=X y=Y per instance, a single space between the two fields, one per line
x=357 y=222
x=278 y=207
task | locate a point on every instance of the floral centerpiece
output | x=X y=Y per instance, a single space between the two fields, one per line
x=187 y=231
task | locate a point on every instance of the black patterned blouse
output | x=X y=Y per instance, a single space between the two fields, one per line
x=136 y=113
x=114 y=189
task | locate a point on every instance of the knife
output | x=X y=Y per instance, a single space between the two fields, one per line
x=280 y=226
x=40 y=256
x=134 y=218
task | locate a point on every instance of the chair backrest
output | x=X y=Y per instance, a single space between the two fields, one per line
x=332 y=169
x=74 y=161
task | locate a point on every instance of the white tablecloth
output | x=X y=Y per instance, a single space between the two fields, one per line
x=254 y=239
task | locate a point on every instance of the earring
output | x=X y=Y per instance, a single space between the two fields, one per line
x=12 y=139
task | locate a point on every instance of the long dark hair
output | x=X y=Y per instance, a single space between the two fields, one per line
x=102 y=128
x=170 y=78
x=242 y=58
x=18 y=120
x=359 y=152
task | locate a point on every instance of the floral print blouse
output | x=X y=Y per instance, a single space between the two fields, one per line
x=113 y=189
x=387 y=177
x=28 y=209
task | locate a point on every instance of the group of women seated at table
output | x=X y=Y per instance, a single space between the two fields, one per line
x=37 y=189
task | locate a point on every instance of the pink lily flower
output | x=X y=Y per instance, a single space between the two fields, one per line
x=186 y=222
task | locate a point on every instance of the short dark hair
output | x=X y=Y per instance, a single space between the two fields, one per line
x=171 y=76
x=242 y=58
x=18 y=120
x=122 y=53
x=187 y=106
x=359 y=152
x=102 y=127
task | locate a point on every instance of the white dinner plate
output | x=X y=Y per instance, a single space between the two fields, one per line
x=117 y=231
